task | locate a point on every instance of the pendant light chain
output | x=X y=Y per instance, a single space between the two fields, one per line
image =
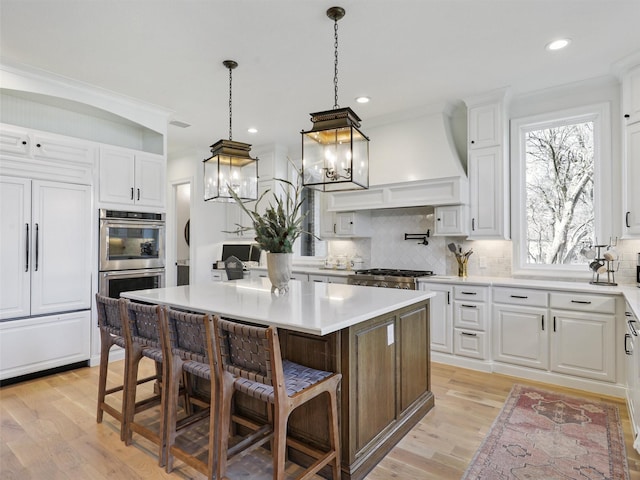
x=335 y=64
x=230 y=114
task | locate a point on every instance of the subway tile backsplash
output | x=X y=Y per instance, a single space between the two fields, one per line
x=387 y=248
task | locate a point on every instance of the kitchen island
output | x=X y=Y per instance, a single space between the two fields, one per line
x=377 y=338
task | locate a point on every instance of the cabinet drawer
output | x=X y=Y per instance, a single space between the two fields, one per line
x=519 y=296
x=470 y=315
x=583 y=303
x=470 y=292
x=469 y=343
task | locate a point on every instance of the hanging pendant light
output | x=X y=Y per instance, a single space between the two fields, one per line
x=230 y=165
x=335 y=153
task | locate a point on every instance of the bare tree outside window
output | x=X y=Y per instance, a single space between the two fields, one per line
x=559 y=192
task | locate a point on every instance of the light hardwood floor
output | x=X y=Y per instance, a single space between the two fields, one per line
x=48 y=430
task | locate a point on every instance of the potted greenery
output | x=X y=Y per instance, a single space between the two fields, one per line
x=276 y=229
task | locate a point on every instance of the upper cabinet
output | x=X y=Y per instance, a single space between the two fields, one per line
x=488 y=167
x=132 y=178
x=343 y=224
x=485 y=125
x=631 y=95
x=631 y=157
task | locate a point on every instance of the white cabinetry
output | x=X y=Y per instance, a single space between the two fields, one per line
x=451 y=220
x=328 y=278
x=583 y=338
x=485 y=124
x=488 y=167
x=566 y=333
x=132 y=178
x=343 y=224
x=631 y=184
x=440 y=316
x=632 y=363
x=470 y=338
x=631 y=155
x=34 y=344
x=45 y=262
x=521 y=327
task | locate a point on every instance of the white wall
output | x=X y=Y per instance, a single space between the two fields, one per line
x=208 y=219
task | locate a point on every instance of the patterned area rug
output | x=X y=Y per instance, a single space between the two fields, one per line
x=544 y=435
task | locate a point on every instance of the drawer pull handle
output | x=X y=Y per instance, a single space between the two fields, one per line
x=632 y=328
x=469 y=334
x=519 y=296
x=469 y=306
x=626 y=349
x=584 y=302
x=469 y=293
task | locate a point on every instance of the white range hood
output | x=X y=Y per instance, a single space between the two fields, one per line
x=412 y=162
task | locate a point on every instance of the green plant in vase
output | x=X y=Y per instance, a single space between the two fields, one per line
x=277 y=229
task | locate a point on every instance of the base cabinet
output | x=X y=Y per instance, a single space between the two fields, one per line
x=52 y=341
x=520 y=336
x=385 y=389
x=441 y=317
x=583 y=344
x=566 y=333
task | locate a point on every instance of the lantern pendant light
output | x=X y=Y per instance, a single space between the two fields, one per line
x=335 y=152
x=230 y=165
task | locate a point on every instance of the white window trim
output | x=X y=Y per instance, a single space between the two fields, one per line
x=603 y=191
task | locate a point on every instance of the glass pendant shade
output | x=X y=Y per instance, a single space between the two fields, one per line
x=230 y=166
x=335 y=153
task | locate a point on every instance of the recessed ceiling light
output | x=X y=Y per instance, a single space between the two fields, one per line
x=252 y=130
x=558 y=44
x=363 y=99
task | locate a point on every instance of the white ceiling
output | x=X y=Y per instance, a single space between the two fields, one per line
x=404 y=54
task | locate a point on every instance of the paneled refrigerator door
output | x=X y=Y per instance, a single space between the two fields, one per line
x=15 y=234
x=61 y=246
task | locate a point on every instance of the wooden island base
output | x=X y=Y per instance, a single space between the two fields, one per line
x=385 y=390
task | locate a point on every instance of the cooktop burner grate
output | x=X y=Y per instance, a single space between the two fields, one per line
x=391 y=272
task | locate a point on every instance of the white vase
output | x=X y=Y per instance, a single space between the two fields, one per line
x=279 y=270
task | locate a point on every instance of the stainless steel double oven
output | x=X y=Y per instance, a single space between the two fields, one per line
x=132 y=251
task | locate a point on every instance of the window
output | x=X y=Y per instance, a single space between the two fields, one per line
x=310 y=245
x=559 y=185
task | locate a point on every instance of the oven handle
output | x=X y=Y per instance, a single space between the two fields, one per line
x=143 y=272
x=132 y=223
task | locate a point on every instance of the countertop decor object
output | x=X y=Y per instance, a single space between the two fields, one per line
x=277 y=229
x=461 y=257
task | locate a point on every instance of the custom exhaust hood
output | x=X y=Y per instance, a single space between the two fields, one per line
x=413 y=162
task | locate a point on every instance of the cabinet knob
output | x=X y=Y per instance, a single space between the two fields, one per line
x=439 y=220
x=626 y=115
x=24 y=142
x=38 y=145
x=472 y=142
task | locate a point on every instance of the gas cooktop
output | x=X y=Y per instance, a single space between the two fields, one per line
x=387 y=277
x=391 y=272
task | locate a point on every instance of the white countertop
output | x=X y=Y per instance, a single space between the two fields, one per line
x=630 y=292
x=311 y=307
x=313 y=270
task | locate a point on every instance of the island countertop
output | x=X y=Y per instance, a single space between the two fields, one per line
x=309 y=307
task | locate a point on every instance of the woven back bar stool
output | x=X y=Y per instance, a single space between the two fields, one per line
x=142 y=327
x=190 y=350
x=249 y=361
x=110 y=325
